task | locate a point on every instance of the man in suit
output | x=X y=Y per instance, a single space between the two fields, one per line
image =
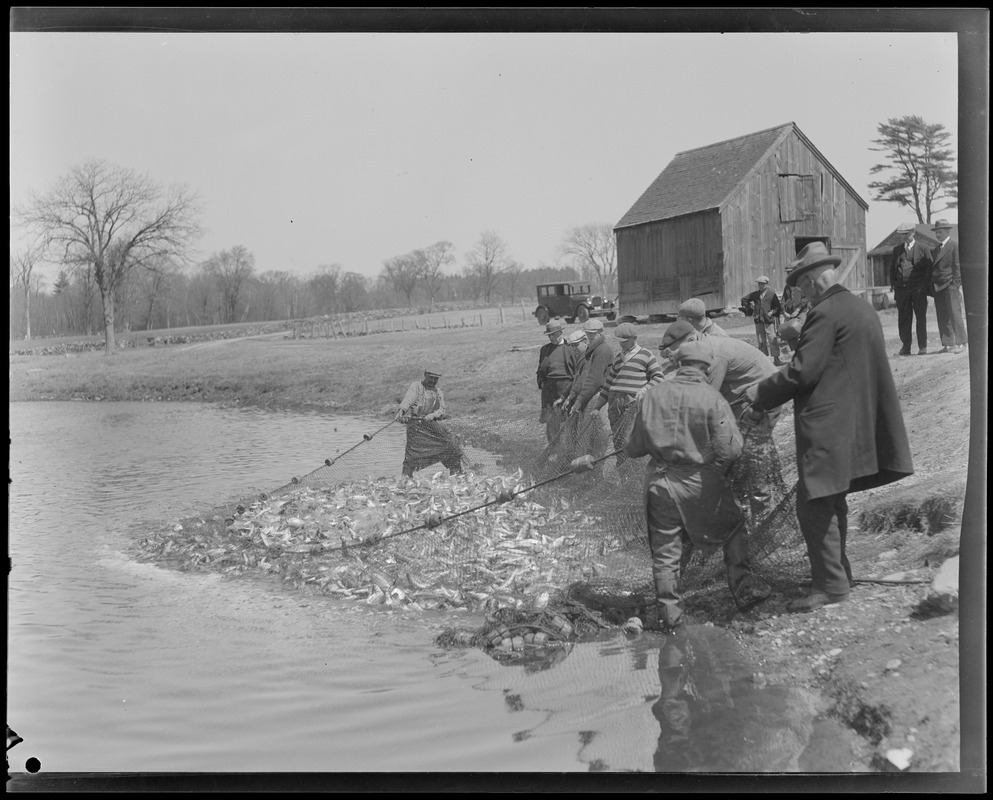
x=910 y=266
x=850 y=434
x=946 y=283
x=764 y=306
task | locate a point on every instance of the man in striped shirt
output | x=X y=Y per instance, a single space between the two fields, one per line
x=633 y=370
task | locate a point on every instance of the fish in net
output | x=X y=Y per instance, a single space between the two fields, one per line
x=531 y=538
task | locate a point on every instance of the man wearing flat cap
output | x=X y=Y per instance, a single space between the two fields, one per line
x=428 y=442
x=557 y=364
x=849 y=428
x=630 y=374
x=690 y=433
x=694 y=311
x=946 y=284
x=765 y=309
x=910 y=268
x=596 y=361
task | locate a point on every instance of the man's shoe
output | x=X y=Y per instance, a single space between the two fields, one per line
x=815 y=600
x=904 y=352
x=922 y=351
x=752 y=595
x=957 y=349
x=944 y=350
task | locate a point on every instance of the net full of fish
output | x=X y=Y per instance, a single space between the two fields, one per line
x=360 y=539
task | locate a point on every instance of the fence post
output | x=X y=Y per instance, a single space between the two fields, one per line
x=523 y=313
x=480 y=320
x=367 y=327
x=501 y=315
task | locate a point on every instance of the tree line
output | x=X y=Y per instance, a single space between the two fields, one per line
x=120 y=243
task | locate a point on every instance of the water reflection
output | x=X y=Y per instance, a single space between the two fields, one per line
x=714 y=718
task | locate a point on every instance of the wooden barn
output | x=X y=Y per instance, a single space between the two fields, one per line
x=721 y=215
x=880 y=255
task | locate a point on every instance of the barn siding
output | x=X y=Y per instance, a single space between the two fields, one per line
x=668 y=261
x=757 y=242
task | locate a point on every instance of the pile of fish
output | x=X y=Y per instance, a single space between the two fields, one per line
x=409 y=544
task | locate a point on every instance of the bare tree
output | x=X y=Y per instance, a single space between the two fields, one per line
x=919 y=156
x=153 y=285
x=354 y=292
x=594 y=246
x=512 y=276
x=22 y=277
x=487 y=262
x=324 y=288
x=403 y=273
x=115 y=220
x=432 y=260
x=230 y=269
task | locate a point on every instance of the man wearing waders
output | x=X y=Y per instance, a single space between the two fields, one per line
x=427 y=441
x=764 y=306
x=689 y=431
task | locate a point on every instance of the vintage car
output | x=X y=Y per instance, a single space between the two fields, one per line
x=572 y=301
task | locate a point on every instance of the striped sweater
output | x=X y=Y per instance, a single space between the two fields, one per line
x=627 y=377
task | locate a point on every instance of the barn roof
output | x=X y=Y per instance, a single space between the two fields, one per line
x=922 y=231
x=708 y=177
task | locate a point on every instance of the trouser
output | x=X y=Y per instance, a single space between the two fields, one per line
x=951 y=323
x=911 y=303
x=765 y=332
x=620 y=415
x=453 y=463
x=671 y=548
x=553 y=389
x=824 y=525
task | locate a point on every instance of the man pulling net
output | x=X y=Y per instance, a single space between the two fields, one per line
x=428 y=441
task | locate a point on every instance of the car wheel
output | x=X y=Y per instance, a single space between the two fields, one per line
x=542 y=315
x=582 y=314
x=611 y=316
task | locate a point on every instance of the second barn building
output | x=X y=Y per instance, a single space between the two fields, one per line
x=720 y=216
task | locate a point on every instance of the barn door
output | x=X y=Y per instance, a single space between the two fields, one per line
x=851 y=270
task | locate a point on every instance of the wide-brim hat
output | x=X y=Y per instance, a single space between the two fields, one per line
x=815 y=254
x=626 y=330
x=554 y=326
x=695 y=351
x=942 y=223
x=676 y=332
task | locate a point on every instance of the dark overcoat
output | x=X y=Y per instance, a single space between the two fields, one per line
x=850 y=433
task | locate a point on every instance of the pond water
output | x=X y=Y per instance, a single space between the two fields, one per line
x=119 y=666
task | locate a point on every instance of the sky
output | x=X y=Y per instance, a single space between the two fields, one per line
x=317 y=149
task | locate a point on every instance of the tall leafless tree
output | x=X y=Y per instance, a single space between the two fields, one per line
x=25 y=280
x=403 y=273
x=487 y=262
x=115 y=220
x=433 y=259
x=229 y=270
x=594 y=247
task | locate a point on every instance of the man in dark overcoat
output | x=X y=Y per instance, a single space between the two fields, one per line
x=910 y=268
x=946 y=283
x=850 y=434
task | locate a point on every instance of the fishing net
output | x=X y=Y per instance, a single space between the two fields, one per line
x=511 y=530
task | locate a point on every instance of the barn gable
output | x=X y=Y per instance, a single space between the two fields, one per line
x=708 y=177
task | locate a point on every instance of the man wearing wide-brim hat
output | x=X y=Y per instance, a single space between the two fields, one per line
x=946 y=285
x=850 y=434
x=557 y=364
x=910 y=268
x=689 y=430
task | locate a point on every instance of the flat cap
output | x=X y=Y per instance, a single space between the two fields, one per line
x=676 y=332
x=576 y=337
x=626 y=330
x=593 y=325
x=694 y=308
x=762 y=279
x=695 y=351
x=906 y=227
